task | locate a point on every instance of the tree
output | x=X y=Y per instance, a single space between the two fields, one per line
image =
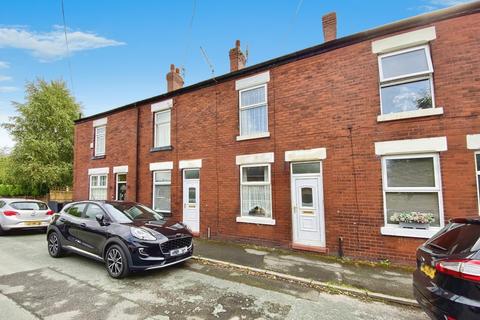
x=43 y=133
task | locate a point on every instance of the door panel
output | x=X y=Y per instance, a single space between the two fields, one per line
x=308 y=228
x=191 y=199
x=91 y=234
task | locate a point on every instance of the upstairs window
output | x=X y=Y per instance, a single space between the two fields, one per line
x=406 y=80
x=253 y=111
x=162 y=129
x=100 y=135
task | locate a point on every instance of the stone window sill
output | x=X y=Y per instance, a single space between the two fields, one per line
x=166 y=148
x=256 y=220
x=410 y=114
x=254 y=136
x=409 y=233
x=98 y=157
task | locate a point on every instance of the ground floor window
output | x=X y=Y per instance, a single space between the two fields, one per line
x=256 y=191
x=121 y=192
x=98 y=187
x=162 y=185
x=412 y=190
x=477 y=174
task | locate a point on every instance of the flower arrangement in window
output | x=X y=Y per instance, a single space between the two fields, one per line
x=412 y=219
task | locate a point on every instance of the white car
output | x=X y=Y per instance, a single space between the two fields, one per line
x=23 y=214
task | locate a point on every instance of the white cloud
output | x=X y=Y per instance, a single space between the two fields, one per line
x=5 y=139
x=4 y=65
x=8 y=89
x=5 y=78
x=438 y=4
x=48 y=46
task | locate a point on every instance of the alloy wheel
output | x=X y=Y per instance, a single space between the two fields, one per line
x=53 y=244
x=114 y=262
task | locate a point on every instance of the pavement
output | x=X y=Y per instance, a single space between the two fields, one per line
x=35 y=286
x=389 y=281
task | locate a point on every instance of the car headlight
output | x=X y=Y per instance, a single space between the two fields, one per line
x=141 y=234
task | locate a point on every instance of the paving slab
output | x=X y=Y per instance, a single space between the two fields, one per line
x=385 y=280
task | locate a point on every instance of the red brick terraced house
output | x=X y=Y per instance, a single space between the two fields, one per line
x=316 y=150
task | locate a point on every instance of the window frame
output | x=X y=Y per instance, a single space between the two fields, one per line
x=154 y=183
x=117 y=182
x=155 y=125
x=256 y=183
x=97 y=187
x=241 y=108
x=477 y=174
x=310 y=174
x=437 y=188
x=426 y=49
x=406 y=78
x=95 y=141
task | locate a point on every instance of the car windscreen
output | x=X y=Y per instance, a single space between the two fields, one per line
x=457 y=238
x=128 y=212
x=28 y=205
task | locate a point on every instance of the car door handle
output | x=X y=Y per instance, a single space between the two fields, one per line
x=63 y=219
x=83 y=225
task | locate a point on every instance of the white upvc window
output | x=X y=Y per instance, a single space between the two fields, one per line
x=98 y=187
x=412 y=183
x=162 y=186
x=253 y=112
x=477 y=175
x=100 y=140
x=162 y=128
x=406 y=81
x=121 y=187
x=256 y=191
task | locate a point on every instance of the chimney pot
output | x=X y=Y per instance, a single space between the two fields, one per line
x=237 y=58
x=174 y=79
x=329 y=22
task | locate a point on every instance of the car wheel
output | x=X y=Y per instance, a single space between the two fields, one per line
x=2 y=232
x=116 y=262
x=54 y=246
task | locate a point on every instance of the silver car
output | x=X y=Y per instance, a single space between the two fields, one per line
x=23 y=214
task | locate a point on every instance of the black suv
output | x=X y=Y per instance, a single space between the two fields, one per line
x=447 y=280
x=126 y=236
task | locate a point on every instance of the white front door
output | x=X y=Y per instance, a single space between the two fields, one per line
x=307 y=206
x=191 y=199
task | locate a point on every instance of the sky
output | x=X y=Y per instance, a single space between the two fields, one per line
x=119 y=51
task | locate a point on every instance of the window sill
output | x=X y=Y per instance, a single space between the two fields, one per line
x=256 y=220
x=98 y=157
x=410 y=114
x=254 y=136
x=410 y=233
x=166 y=148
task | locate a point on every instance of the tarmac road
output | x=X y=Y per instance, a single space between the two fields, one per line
x=35 y=286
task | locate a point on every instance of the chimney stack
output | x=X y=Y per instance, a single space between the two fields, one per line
x=237 y=58
x=329 y=22
x=174 y=79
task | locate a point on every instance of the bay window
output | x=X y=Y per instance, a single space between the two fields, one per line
x=98 y=187
x=162 y=185
x=406 y=80
x=256 y=191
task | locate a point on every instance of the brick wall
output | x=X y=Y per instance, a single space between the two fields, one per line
x=329 y=100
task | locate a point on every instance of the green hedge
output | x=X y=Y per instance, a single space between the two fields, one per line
x=8 y=190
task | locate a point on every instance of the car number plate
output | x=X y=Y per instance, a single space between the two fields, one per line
x=177 y=252
x=33 y=223
x=428 y=270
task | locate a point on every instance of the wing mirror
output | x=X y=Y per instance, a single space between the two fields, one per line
x=101 y=219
